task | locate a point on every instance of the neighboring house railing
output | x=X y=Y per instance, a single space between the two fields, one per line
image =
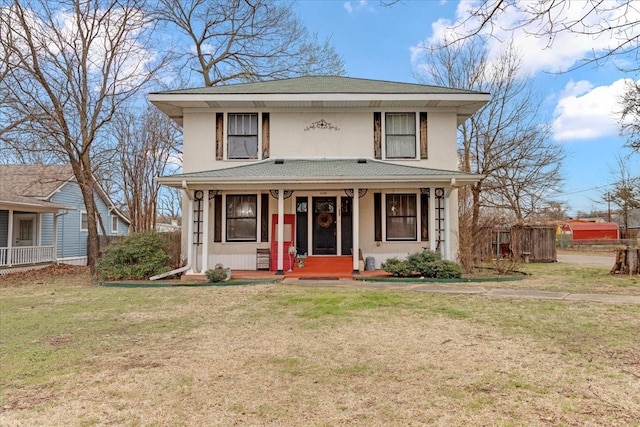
x=21 y=255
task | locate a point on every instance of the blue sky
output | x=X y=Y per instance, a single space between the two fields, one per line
x=379 y=42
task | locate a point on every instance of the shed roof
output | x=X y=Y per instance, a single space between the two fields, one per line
x=590 y=226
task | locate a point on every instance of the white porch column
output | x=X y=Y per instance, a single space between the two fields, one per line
x=280 y=254
x=10 y=238
x=447 y=226
x=190 y=252
x=205 y=232
x=356 y=231
x=55 y=237
x=432 y=220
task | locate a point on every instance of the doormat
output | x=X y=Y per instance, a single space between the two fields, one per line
x=319 y=278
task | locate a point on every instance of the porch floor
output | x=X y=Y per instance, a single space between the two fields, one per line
x=315 y=267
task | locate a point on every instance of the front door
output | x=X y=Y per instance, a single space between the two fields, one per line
x=324 y=226
x=24 y=229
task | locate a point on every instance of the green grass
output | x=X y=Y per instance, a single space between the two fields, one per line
x=55 y=339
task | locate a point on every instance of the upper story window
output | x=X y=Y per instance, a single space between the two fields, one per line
x=114 y=224
x=400 y=135
x=242 y=136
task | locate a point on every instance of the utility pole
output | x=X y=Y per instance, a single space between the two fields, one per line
x=608 y=207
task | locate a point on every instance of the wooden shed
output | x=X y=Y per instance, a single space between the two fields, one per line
x=583 y=230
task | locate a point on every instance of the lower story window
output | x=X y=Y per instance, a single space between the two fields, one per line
x=401 y=214
x=242 y=218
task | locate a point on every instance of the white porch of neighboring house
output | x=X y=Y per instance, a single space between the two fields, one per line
x=24 y=233
x=354 y=196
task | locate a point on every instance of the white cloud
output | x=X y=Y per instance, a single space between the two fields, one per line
x=565 y=50
x=587 y=112
x=356 y=6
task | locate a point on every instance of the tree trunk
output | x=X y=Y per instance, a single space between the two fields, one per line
x=627 y=261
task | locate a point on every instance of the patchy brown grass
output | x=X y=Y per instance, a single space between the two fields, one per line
x=75 y=354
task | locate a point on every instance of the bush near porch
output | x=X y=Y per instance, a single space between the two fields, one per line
x=424 y=264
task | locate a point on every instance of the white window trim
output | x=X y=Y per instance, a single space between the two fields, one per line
x=114 y=230
x=384 y=218
x=383 y=130
x=81 y=214
x=225 y=135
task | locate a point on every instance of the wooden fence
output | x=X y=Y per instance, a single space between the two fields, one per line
x=534 y=243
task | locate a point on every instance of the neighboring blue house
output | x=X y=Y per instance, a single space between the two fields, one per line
x=35 y=200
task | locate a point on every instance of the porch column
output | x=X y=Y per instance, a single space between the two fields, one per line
x=55 y=237
x=10 y=238
x=205 y=232
x=280 y=254
x=356 y=231
x=190 y=253
x=432 y=220
x=447 y=226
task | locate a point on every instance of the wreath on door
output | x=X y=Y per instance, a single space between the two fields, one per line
x=325 y=219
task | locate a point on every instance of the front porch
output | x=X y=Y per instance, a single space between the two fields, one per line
x=26 y=255
x=315 y=267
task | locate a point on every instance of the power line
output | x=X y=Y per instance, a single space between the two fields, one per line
x=582 y=191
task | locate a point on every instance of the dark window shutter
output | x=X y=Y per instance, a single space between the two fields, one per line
x=377 y=216
x=217 y=218
x=264 y=217
x=265 y=135
x=424 y=153
x=424 y=217
x=377 y=135
x=219 y=136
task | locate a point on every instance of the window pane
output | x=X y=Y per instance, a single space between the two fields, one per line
x=401 y=217
x=242 y=136
x=400 y=141
x=242 y=217
x=243 y=147
x=84 y=221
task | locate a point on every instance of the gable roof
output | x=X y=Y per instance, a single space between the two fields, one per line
x=30 y=186
x=297 y=173
x=321 y=92
x=33 y=186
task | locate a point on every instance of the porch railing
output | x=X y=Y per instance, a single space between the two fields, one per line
x=21 y=255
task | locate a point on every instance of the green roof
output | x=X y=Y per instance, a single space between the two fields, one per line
x=322 y=84
x=320 y=170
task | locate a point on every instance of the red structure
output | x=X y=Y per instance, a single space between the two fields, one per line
x=582 y=230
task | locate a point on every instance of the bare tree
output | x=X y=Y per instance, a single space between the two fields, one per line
x=70 y=66
x=626 y=190
x=239 y=40
x=148 y=146
x=616 y=21
x=630 y=122
x=505 y=141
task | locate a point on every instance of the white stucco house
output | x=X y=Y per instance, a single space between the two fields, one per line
x=350 y=168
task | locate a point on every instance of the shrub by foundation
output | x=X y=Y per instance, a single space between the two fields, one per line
x=136 y=257
x=425 y=264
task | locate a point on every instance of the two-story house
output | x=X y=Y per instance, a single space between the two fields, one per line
x=320 y=166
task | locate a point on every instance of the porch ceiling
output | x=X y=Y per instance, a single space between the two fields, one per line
x=320 y=174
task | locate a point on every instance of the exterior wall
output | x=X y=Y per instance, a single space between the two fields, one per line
x=288 y=138
x=242 y=255
x=71 y=241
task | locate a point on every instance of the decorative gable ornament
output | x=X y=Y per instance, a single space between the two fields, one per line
x=321 y=124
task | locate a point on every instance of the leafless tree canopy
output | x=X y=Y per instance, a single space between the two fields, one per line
x=70 y=65
x=630 y=123
x=505 y=141
x=626 y=190
x=614 y=20
x=239 y=40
